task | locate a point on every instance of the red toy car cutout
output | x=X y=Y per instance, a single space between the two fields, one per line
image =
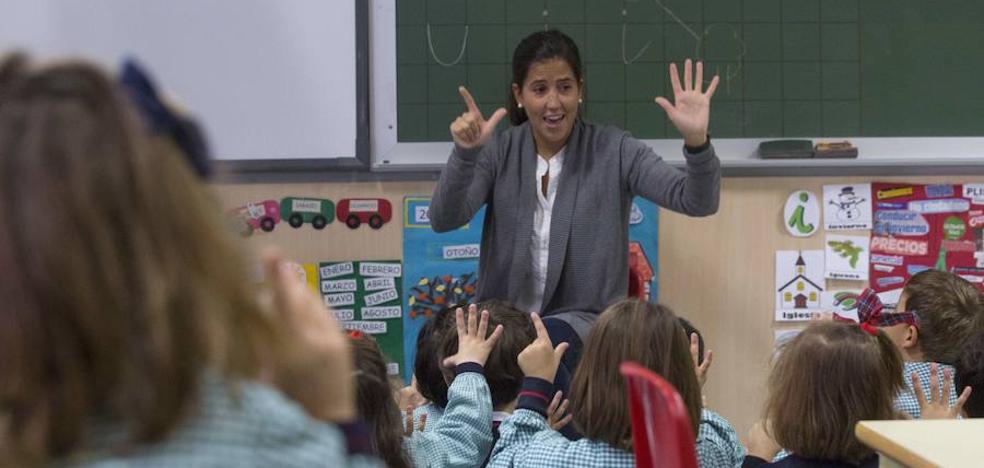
x=355 y=211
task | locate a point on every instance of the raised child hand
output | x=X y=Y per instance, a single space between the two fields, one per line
x=702 y=368
x=540 y=359
x=938 y=404
x=315 y=370
x=471 y=130
x=473 y=346
x=556 y=418
x=690 y=111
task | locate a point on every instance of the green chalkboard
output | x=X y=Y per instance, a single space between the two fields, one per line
x=789 y=68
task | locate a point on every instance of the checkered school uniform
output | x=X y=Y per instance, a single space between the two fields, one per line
x=717 y=442
x=252 y=426
x=433 y=413
x=462 y=434
x=906 y=401
x=527 y=440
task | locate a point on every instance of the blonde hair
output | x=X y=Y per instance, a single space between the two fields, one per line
x=123 y=287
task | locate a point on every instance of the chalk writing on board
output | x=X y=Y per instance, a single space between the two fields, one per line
x=701 y=39
x=731 y=72
x=625 y=59
x=461 y=52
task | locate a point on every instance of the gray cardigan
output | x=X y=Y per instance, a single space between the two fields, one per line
x=604 y=168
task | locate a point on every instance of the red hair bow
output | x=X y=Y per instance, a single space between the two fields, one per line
x=871 y=314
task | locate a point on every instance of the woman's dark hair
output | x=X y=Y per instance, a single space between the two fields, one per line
x=375 y=402
x=426 y=367
x=538 y=47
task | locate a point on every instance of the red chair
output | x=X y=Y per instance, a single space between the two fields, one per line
x=661 y=432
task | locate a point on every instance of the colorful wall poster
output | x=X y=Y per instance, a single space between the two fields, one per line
x=801 y=214
x=365 y=296
x=842 y=303
x=847 y=207
x=975 y=219
x=799 y=284
x=846 y=257
x=891 y=297
x=644 y=249
x=441 y=269
x=919 y=227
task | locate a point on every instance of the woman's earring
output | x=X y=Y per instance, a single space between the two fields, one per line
x=580 y=101
x=520 y=105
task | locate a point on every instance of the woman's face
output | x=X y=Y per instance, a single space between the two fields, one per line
x=550 y=97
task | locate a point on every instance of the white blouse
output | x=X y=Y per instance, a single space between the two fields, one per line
x=531 y=297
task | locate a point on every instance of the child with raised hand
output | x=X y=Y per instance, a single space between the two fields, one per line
x=825 y=380
x=714 y=430
x=428 y=382
x=629 y=330
x=463 y=435
x=145 y=345
x=502 y=372
x=933 y=404
x=937 y=313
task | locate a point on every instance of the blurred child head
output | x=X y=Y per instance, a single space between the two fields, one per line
x=501 y=369
x=124 y=286
x=970 y=373
x=374 y=400
x=825 y=380
x=427 y=363
x=950 y=310
x=630 y=330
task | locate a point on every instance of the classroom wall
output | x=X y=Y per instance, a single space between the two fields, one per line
x=716 y=271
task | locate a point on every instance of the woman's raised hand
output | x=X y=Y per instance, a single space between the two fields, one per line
x=691 y=108
x=471 y=130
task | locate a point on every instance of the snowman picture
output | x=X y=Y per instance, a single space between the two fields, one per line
x=847 y=204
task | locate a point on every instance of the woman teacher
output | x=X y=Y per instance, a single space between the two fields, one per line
x=559 y=189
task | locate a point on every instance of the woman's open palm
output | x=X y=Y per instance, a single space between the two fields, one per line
x=691 y=108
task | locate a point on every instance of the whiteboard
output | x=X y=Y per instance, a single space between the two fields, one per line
x=268 y=79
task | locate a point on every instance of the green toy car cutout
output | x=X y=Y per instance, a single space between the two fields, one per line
x=297 y=211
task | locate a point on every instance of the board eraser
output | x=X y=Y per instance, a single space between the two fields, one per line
x=835 y=149
x=786 y=149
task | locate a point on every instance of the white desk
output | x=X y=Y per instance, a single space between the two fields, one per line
x=925 y=443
